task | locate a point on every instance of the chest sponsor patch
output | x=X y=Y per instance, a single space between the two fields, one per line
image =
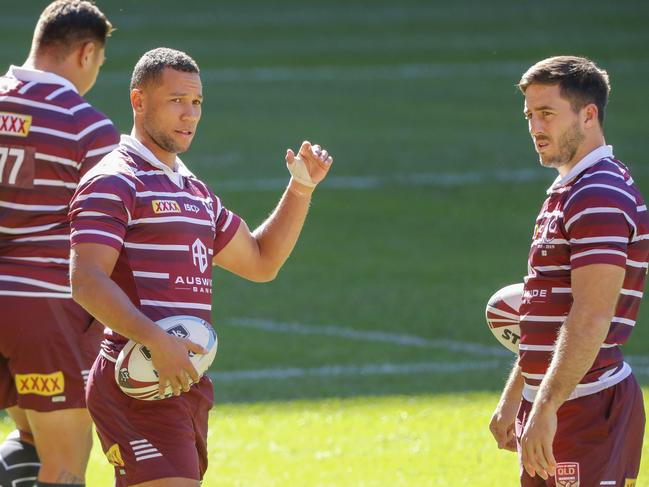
x=536 y=295
x=567 y=474
x=15 y=124
x=41 y=384
x=165 y=206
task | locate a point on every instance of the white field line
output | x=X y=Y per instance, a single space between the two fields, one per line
x=354 y=370
x=372 y=336
x=640 y=363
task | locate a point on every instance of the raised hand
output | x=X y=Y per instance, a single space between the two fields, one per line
x=310 y=166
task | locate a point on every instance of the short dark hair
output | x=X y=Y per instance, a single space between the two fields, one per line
x=152 y=63
x=65 y=23
x=580 y=81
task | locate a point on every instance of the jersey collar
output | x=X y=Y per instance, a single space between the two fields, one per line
x=589 y=160
x=176 y=175
x=38 y=76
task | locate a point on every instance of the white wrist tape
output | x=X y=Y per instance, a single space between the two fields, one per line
x=300 y=172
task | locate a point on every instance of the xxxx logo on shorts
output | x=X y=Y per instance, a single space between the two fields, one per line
x=629 y=482
x=114 y=456
x=165 y=206
x=15 y=124
x=41 y=384
x=567 y=474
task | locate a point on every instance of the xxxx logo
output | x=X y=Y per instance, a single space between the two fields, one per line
x=165 y=206
x=41 y=384
x=15 y=124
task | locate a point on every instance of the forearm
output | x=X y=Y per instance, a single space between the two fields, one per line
x=513 y=390
x=103 y=299
x=277 y=236
x=579 y=341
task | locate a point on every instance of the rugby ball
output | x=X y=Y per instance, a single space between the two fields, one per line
x=503 y=315
x=134 y=371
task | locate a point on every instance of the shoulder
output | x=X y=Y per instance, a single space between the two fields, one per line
x=606 y=183
x=117 y=167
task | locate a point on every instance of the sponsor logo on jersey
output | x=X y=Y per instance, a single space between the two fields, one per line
x=165 y=206
x=199 y=255
x=191 y=208
x=629 y=482
x=41 y=384
x=15 y=124
x=567 y=474
x=536 y=295
x=114 y=456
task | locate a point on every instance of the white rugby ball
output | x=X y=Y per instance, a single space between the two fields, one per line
x=134 y=371
x=503 y=315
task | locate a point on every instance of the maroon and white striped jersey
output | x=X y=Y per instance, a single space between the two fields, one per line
x=593 y=215
x=167 y=226
x=49 y=137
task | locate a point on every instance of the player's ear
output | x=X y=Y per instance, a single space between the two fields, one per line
x=86 y=53
x=137 y=100
x=590 y=115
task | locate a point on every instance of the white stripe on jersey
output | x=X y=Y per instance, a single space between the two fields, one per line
x=54 y=182
x=547 y=268
x=174 y=304
x=35 y=282
x=29 y=294
x=544 y=319
x=166 y=194
x=68 y=135
x=42 y=238
x=101 y=150
x=168 y=219
x=27 y=87
x=93 y=213
x=623 y=321
x=98 y=232
x=131 y=245
x=533 y=376
x=631 y=292
x=604 y=186
x=561 y=290
x=104 y=196
x=46 y=260
x=18 y=206
x=35 y=104
x=600 y=209
x=78 y=107
x=608 y=238
x=554 y=241
x=152 y=275
x=58 y=160
x=19 y=231
x=635 y=263
x=56 y=93
x=536 y=348
x=641 y=208
x=151 y=172
x=227 y=222
x=579 y=255
x=637 y=238
x=610 y=173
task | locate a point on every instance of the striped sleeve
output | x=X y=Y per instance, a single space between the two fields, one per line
x=102 y=138
x=100 y=211
x=227 y=224
x=599 y=223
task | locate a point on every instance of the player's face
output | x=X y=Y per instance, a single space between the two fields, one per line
x=172 y=110
x=553 y=124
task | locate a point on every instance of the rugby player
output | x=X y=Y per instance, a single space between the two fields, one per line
x=49 y=137
x=145 y=234
x=571 y=403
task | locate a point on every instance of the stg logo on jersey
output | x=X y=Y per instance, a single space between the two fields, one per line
x=165 y=206
x=15 y=124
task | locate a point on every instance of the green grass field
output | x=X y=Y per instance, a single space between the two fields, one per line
x=368 y=362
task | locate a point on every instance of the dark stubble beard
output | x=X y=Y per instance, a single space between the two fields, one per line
x=162 y=140
x=569 y=143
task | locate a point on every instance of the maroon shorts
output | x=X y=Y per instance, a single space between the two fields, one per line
x=149 y=440
x=47 y=346
x=598 y=440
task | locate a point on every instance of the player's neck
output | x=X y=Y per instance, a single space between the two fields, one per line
x=49 y=65
x=589 y=145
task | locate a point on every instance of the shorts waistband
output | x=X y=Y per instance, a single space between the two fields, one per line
x=529 y=392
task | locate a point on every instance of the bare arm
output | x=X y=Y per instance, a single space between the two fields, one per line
x=502 y=425
x=595 y=290
x=90 y=268
x=259 y=255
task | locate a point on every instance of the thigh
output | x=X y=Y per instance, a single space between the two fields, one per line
x=149 y=440
x=43 y=341
x=8 y=398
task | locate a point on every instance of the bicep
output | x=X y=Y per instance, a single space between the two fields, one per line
x=92 y=258
x=241 y=255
